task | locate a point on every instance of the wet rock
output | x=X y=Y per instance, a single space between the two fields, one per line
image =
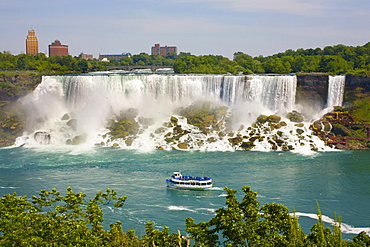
x=65 y=116
x=72 y=123
x=182 y=145
x=168 y=140
x=78 y=140
x=129 y=141
x=274 y=118
x=211 y=139
x=247 y=145
x=295 y=116
x=221 y=134
x=178 y=130
x=236 y=140
x=282 y=123
x=174 y=120
x=262 y=118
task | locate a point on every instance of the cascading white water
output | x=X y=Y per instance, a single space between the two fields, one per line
x=277 y=93
x=76 y=108
x=335 y=90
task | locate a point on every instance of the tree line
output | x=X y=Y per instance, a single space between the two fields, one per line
x=67 y=64
x=53 y=219
x=337 y=59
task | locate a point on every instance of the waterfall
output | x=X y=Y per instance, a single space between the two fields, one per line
x=77 y=109
x=276 y=93
x=335 y=90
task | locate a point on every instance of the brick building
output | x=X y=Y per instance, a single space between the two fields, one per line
x=109 y=57
x=56 y=48
x=85 y=56
x=157 y=49
x=32 y=44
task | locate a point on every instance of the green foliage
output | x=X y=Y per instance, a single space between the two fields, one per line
x=52 y=219
x=163 y=238
x=43 y=64
x=209 y=64
x=246 y=224
x=360 y=109
x=338 y=59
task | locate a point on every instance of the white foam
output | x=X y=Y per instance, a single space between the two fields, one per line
x=345 y=228
x=180 y=208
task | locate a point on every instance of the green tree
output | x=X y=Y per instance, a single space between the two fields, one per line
x=84 y=65
x=311 y=64
x=50 y=218
x=277 y=65
x=242 y=224
x=335 y=64
x=142 y=59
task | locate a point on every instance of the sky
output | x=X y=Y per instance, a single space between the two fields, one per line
x=201 y=27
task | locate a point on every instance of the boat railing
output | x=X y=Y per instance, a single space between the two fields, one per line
x=187 y=178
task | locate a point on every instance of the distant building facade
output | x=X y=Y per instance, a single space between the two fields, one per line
x=56 y=48
x=117 y=57
x=157 y=49
x=32 y=44
x=85 y=56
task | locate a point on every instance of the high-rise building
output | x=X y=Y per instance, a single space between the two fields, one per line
x=32 y=44
x=56 y=48
x=158 y=50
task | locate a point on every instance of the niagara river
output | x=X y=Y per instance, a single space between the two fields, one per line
x=338 y=181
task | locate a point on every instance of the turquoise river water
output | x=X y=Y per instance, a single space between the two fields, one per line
x=338 y=181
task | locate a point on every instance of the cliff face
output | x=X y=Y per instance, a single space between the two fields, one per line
x=13 y=87
x=312 y=90
x=356 y=87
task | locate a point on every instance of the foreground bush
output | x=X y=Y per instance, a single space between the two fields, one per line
x=51 y=219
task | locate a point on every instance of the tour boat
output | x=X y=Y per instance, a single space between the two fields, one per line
x=178 y=181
